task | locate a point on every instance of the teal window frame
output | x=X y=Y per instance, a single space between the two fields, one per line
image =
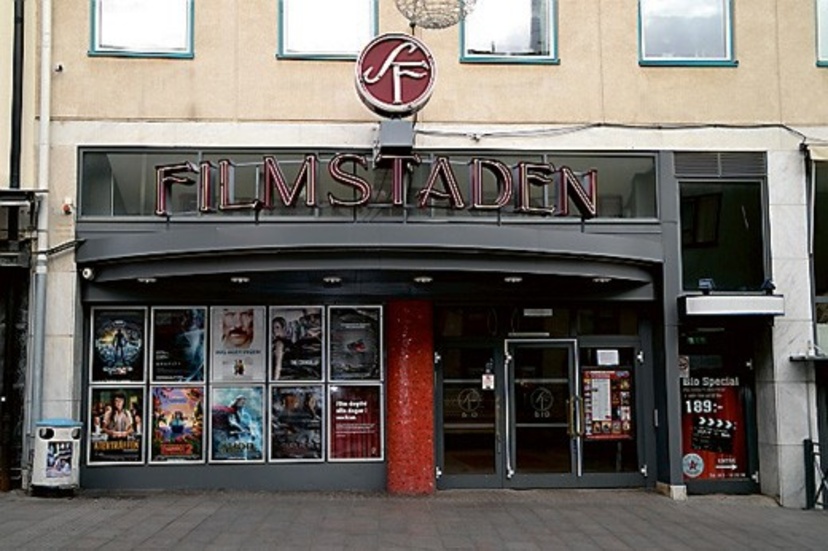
x=821 y=17
x=727 y=60
x=283 y=33
x=552 y=39
x=186 y=51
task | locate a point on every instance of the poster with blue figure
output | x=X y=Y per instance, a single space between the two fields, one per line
x=178 y=343
x=236 y=424
x=118 y=345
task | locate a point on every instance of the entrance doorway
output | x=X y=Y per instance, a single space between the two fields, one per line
x=539 y=413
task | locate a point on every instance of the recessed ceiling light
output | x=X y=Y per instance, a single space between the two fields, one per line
x=513 y=279
x=332 y=280
x=147 y=280
x=423 y=279
x=601 y=279
x=240 y=279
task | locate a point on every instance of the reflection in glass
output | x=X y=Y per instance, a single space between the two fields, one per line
x=143 y=26
x=722 y=235
x=685 y=29
x=326 y=27
x=518 y=28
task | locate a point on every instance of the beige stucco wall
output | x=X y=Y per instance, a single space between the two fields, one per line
x=235 y=74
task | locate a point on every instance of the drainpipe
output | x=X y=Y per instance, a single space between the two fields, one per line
x=41 y=258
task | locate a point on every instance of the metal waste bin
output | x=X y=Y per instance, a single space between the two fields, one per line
x=57 y=454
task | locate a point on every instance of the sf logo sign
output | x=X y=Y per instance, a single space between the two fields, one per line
x=395 y=75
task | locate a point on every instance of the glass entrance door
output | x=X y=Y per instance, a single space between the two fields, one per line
x=537 y=413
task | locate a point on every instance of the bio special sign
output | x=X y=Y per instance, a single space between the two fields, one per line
x=395 y=75
x=713 y=431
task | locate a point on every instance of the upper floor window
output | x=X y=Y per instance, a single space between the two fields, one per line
x=822 y=33
x=144 y=28
x=325 y=29
x=511 y=31
x=685 y=32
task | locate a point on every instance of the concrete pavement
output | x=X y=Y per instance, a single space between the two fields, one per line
x=459 y=519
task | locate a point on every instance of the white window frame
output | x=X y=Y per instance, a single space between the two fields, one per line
x=822 y=33
x=294 y=29
x=506 y=57
x=116 y=14
x=727 y=27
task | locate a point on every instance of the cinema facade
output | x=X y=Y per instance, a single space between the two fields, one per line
x=430 y=310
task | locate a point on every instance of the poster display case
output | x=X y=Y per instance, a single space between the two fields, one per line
x=235 y=384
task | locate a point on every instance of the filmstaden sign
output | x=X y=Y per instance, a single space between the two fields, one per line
x=395 y=75
x=492 y=184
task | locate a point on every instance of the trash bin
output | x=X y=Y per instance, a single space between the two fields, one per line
x=57 y=454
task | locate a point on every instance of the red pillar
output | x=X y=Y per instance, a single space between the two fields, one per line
x=410 y=386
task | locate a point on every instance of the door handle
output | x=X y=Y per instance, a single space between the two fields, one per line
x=507 y=406
x=570 y=417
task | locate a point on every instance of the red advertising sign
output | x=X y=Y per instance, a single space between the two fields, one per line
x=395 y=75
x=356 y=423
x=713 y=432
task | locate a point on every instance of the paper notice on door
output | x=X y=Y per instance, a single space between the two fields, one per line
x=607 y=357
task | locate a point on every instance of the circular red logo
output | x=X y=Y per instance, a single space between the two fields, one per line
x=395 y=75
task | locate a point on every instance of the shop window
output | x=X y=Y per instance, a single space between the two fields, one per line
x=143 y=28
x=325 y=29
x=685 y=32
x=722 y=235
x=820 y=248
x=822 y=33
x=511 y=32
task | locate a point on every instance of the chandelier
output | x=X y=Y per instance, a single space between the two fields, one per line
x=435 y=14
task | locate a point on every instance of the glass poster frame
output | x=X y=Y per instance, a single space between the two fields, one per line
x=297 y=338
x=179 y=344
x=178 y=425
x=297 y=416
x=118 y=345
x=116 y=428
x=355 y=346
x=237 y=424
x=237 y=344
x=356 y=423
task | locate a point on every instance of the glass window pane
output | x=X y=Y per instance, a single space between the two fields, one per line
x=685 y=29
x=821 y=231
x=326 y=27
x=822 y=30
x=514 y=28
x=722 y=235
x=149 y=27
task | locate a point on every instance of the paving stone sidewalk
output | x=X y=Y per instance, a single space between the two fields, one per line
x=483 y=520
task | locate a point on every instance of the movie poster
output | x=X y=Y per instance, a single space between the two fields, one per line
x=355 y=345
x=59 y=460
x=237 y=341
x=118 y=345
x=296 y=414
x=178 y=344
x=236 y=424
x=177 y=424
x=356 y=423
x=713 y=429
x=296 y=337
x=116 y=416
